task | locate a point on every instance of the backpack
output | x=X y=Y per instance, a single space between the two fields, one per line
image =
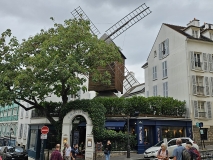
x=195 y=154
x=186 y=155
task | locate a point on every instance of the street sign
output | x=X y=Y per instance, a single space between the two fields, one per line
x=44 y=130
x=43 y=136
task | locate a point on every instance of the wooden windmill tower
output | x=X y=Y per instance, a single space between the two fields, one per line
x=120 y=76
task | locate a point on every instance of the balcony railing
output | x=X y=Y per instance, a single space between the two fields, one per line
x=202 y=114
x=200 y=90
x=198 y=65
x=9 y=118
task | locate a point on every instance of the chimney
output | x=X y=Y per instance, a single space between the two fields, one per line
x=194 y=22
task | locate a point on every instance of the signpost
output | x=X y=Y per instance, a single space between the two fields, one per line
x=44 y=131
x=200 y=125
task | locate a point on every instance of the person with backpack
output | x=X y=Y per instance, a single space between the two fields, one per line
x=177 y=153
x=163 y=152
x=194 y=153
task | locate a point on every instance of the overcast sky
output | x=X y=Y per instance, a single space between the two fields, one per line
x=26 y=17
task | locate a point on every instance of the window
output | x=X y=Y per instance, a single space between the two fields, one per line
x=27 y=112
x=195 y=34
x=154 y=71
x=164 y=49
x=155 y=54
x=202 y=109
x=197 y=85
x=197 y=60
x=32 y=140
x=164 y=64
x=25 y=131
x=155 y=90
x=165 y=89
x=15 y=111
x=20 y=131
x=5 y=113
x=22 y=112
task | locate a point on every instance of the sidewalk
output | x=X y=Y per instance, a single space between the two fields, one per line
x=135 y=156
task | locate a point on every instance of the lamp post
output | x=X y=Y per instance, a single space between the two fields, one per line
x=11 y=132
x=128 y=145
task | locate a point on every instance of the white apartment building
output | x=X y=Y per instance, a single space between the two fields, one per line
x=180 y=65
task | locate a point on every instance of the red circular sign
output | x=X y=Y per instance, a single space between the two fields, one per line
x=44 y=130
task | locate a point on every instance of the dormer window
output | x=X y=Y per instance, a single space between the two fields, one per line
x=195 y=33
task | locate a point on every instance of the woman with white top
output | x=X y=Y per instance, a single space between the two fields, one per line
x=163 y=152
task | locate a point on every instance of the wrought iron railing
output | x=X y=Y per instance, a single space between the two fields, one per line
x=202 y=114
x=9 y=118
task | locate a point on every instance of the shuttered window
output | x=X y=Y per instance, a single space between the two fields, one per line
x=210 y=63
x=165 y=89
x=164 y=49
x=195 y=106
x=194 y=85
x=205 y=62
x=154 y=71
x=211 y=84
x=164 y=65
x=155 y=90
x=209 y=112
x=202 y=109
x=21 y=131
x=207 y=88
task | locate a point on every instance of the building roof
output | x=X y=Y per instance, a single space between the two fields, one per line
x=146 y=64
x=135 y=90
x=180 y=29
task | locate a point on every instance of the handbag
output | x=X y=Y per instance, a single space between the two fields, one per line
x=106 y=151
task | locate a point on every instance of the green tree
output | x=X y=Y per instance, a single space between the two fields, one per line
x=56 y=61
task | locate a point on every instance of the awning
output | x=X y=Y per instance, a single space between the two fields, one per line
x=117 y=125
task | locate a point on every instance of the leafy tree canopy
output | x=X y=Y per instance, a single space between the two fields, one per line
x=54 y=61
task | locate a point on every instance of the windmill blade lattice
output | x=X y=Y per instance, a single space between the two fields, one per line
x=128 y=21
x=78 y=13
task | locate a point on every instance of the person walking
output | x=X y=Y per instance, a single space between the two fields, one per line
x=74 y=152
x=177 y=153
x=163 y=152
x=107 y=150
x=67 y=152
x=56 y=155
x=194 y=153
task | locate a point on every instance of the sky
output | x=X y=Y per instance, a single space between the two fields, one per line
x=27 y=17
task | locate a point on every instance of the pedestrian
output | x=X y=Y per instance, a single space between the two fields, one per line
x=56 y=155
x=107 y=150
x=163 y=152
x=67 y=152
x=194 y=153
x=74 y=152
x=177 y=153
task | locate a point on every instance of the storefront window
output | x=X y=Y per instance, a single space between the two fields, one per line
x=32 y=140
x=172 y=132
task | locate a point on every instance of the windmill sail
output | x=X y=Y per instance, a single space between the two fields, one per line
x=78 y=13
x=128 y=21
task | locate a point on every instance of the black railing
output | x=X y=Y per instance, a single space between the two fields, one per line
x=202 y=114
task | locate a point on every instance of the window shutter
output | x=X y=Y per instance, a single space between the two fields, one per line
x=205 y=62
x=211 y=83
x=195 y=104
x=155 y=72
x=194 y=85
x=192 y=60
x=160 y=51
x=163 y=70
x=209 y=112
x=166 y=89
x=167 y=46
x=153 y=90
x=207 y=86
x=210 y=63
x=156 y=90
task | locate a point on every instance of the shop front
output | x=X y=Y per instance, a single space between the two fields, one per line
x=151 y=131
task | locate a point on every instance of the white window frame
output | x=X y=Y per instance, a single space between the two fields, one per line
x=155 y=54
x=22 y=112
x=194 y=33
x=14 y=111
x=25 y=131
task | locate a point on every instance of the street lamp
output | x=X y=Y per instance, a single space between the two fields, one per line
x=11 y=132
x=128 y=145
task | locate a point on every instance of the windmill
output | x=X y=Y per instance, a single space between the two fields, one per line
x=120 y=76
